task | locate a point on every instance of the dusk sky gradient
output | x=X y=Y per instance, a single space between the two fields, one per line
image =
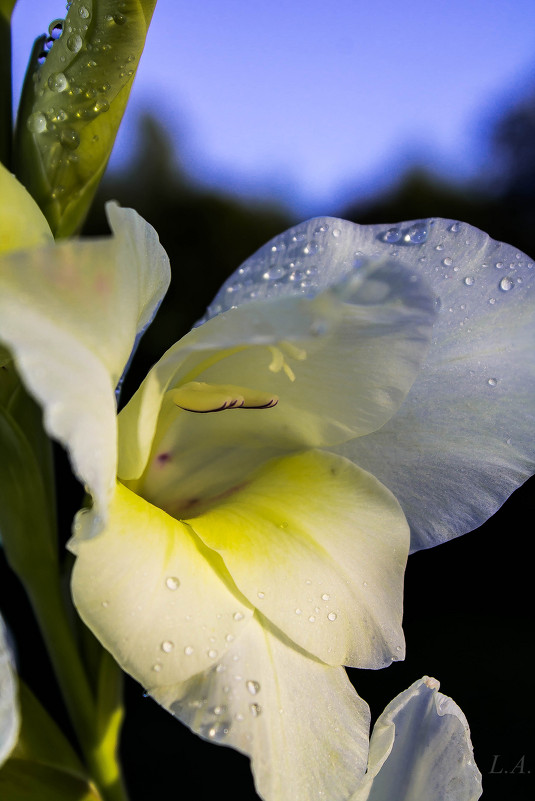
x=314 y=102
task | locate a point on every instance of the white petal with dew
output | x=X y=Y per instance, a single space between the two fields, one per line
x=319 y=547
x=9 y=711
x=463 y=439
x=154 y=596
x=300 y=721
x=420 y=748
x=340 y=365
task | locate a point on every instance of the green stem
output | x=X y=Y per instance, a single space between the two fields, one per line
x=6 y=98
x=100 y=752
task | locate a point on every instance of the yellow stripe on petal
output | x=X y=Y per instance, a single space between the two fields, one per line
x=197 y=396
x=154 y=595
x=22 y=223
x=319 y=546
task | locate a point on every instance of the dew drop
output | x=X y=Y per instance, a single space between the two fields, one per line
x=252 y=686
x=70 y=139
x=499 y=265
x=417 y=234
x=237 y=616
x=447 y=262
x=119 y=19
x=492 y=301
x=469 y=280
x=492 y=382
x=212 y=653
x=454 y=228
x=172 y=583
x=255 y=709
x=331 y=616
x=57 y=82
x=336 y=232
x=392 y=235
x=188 y=650
x=36 y=122
x=261 y=594
x=325 y=596
x=74 y=43
x=55 y=29
x=311 y=619
x=105 y=604
x=167 y=646
x=311 y=248
x=298 y=611
x=83 y=12
x=157 y=667
x=506 y=284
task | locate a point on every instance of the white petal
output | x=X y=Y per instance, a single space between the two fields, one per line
x=300 y=721
x=319 y=547
x=9 y=711
x=340 y=365
x=458 y=446
x=153 y=594
x=463 y=439
x=70 y=314
x=420 y=749
x=22 y=223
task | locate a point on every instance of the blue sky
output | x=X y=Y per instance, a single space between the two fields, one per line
x=315 y=102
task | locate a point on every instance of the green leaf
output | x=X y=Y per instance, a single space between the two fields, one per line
x=41 y=740
x=43 y=764
x=21 y=780
x=26 y=517
x=73 y=103
x=6 y=8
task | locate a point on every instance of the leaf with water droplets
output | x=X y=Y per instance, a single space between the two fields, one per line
x=73 y=100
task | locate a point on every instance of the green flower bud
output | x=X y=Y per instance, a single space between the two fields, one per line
x=73 y=100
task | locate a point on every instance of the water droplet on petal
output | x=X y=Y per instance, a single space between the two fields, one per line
x=506 y=284
x=237 y=616
x=167 y=646
x=392 y=235
x=336 y=232
x=261 y=594
x=469 y=280
x=499 y=265
x=84 y=12
x=298 y=611
x=157 y=667
x=417 y=234
x=454 y=228
x=172 y=583
x=331 y=616
x=252 y=686
x=492 y=382
x=447 y=262
x=325 y=596
x=188 y=650
x=212 y=653
x=255 y=709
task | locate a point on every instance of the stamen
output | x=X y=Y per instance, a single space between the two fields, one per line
x=278 y=362
x=197 y=396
